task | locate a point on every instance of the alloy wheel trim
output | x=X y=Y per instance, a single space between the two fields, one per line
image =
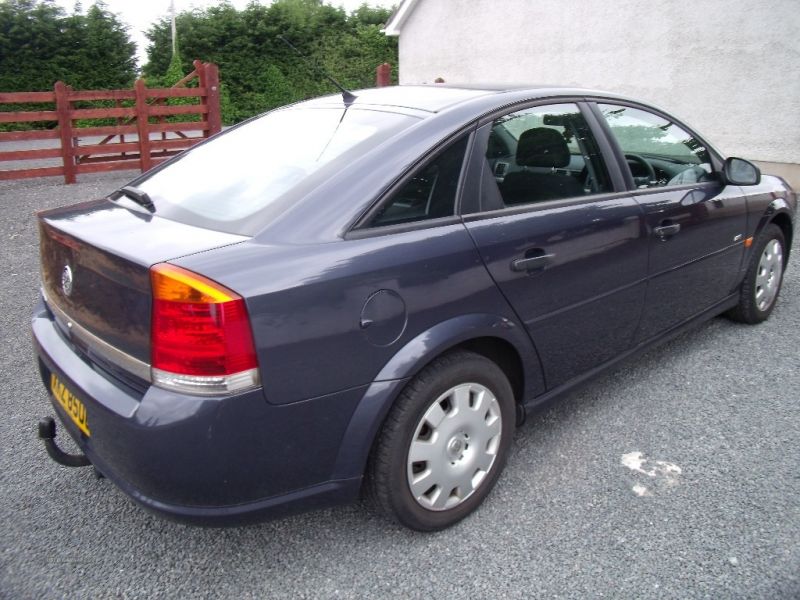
x=454 y=446
x=768 y=275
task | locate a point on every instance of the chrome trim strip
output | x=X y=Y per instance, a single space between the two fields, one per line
x=113 y=355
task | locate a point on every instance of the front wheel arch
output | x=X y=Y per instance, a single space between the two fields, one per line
x=759 y=279
x=784 y=221
x=779 y=212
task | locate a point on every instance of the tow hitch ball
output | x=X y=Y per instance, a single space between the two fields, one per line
x=47 y=433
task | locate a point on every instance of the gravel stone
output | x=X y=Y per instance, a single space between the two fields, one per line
x=720 y=403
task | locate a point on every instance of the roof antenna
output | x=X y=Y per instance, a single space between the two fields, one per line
x=348 y=96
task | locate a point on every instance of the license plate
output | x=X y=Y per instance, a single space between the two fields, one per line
x=74 y=408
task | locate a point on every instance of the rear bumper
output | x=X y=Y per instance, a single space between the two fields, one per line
x=210 y=460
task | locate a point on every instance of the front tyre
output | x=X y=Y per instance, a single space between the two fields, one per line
x=762 y=282
x=444 y=442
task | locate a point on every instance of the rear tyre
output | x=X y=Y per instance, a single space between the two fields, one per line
x=444 y=443
x=762 y=282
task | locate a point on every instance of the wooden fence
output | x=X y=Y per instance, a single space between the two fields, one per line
x=138 y=113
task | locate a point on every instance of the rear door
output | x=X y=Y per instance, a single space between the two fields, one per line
x=566 y=249
x=696 y=225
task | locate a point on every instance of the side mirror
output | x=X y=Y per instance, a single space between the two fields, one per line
x=738 y=171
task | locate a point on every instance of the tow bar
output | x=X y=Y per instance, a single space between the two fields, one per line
x=47 y=433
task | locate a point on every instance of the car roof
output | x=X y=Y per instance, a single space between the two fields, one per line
x=435 y=98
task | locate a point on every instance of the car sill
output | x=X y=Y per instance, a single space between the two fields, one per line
x=584 y=378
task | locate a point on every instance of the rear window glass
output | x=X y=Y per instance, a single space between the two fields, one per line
x=244 y=178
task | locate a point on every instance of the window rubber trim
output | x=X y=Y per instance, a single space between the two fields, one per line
x=368 y=232
x=545 y=205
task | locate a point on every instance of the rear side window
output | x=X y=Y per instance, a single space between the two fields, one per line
x=539 y=154
x=429 y=194
x=248 y=176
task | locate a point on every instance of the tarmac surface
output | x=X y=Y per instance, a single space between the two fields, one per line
x=676 y=475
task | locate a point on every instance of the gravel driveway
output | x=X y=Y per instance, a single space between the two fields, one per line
x=677 y=475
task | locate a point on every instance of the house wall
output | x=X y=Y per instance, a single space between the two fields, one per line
x=730 y=68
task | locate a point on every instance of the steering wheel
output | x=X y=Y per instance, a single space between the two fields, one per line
x=647 y=181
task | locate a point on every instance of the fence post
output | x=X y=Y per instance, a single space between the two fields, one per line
x=65 y=131
x=199 y=70
x=142 y=128
x=383 y=75
x=212 y=95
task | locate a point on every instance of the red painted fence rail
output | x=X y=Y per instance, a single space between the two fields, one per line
x=145 y=115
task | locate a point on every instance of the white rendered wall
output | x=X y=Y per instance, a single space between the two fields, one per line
x=730 y=68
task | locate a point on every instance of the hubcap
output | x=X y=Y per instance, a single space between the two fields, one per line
x=768 y=276
x=454 y=446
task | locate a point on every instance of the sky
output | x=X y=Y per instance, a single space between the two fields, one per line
x=140 y=14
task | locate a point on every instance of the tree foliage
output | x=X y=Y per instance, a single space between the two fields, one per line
x=257 y=70
x=40 y=44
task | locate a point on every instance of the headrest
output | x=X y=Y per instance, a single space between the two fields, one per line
x=542 y=147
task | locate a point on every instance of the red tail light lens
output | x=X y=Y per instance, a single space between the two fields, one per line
x=201 y=341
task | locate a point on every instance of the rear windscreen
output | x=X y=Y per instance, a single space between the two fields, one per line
x=247 y=176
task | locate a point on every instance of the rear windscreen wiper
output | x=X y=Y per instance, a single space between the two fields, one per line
x=137 y=195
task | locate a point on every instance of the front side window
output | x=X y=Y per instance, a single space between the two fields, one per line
x=429 y=194
x=657 y=151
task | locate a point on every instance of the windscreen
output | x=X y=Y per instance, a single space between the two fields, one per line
x=242 y=179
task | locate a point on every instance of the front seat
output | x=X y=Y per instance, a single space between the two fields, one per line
x=543 y=148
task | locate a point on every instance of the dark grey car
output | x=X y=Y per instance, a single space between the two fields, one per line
x=373 y=293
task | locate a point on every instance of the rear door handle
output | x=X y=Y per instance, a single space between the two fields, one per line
x=665 y=231
x=531 y=262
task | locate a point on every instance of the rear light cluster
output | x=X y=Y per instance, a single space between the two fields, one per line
x=201 y=341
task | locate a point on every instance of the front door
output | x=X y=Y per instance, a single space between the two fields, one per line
x=568 y=253
x=696 y=224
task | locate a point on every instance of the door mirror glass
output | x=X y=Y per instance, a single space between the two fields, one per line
x=739 y=171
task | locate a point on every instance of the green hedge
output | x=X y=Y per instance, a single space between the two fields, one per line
x=257 y=70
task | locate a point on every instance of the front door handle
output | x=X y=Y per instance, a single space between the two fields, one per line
x=665 y=231
x=531 y=262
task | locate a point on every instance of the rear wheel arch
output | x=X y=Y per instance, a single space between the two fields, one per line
x=437 y=455
x=496 y=337
x=505 y=356
x=477 y=333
